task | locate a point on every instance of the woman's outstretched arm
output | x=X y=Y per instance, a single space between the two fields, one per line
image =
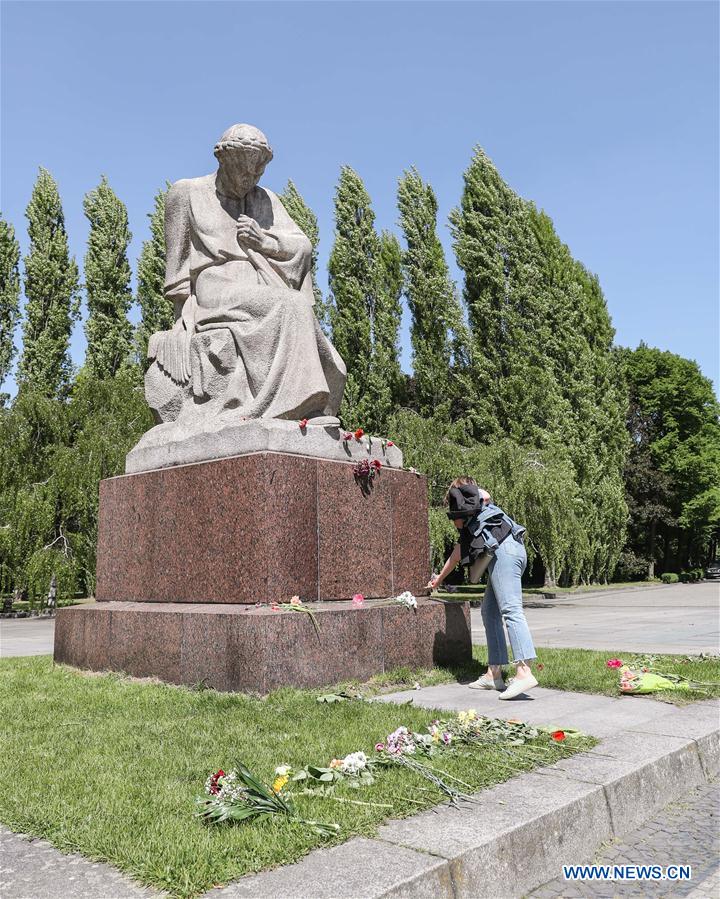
x=451 y=563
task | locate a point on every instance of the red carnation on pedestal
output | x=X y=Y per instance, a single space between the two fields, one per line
x=303 y=423
x=358 y=434
x=376 y=464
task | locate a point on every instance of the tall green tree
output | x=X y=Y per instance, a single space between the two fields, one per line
x=156 y=311
x=385 y=379
x=9 y=298
x=306 y=220
x=543 y=367
x=107 y=281
x=352 y=271
x=437 y=331
x=51 y=294
x=675 y=430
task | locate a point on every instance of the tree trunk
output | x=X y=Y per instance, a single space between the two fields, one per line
x=651 y=563
x=550 y=580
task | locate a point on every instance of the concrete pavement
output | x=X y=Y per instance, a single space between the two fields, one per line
x=677 y=618
x=26 y=636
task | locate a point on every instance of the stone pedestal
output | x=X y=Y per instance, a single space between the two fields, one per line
x=245 y=648
x=186 y=554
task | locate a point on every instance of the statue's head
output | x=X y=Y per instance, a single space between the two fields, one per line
x=243 y=152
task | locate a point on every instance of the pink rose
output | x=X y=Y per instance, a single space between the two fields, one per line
x=614 y=663
x=358 y=599
x=379 y=747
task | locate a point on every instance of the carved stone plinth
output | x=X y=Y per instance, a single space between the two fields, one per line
x=261 y=528
x=186 y=553
x=244 y=648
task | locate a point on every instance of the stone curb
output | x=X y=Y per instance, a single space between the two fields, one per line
x=517 y=835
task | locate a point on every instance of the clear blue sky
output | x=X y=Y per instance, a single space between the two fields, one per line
x=605 y=114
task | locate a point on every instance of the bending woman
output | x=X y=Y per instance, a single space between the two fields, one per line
x=490 y=539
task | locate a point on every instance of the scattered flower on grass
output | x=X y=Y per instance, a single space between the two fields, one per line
x=240 y=796
x=540 y=666
x=558 y=735
x=614 y=663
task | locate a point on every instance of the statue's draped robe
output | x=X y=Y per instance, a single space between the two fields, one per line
x=245 y=337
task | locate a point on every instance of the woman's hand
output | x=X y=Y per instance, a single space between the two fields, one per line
x=432 y=582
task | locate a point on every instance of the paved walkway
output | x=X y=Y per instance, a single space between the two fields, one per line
x=681 y=618
x=600 y=716
x=684 y=833
x=26 y=636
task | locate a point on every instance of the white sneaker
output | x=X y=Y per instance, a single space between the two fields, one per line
x=517 y=686
x=487 y=682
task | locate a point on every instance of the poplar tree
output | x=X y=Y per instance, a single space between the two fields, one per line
x=156 y=311
x=306 y=220
x=9 y=298
x=514 y=391
x=352 y=271
x=542 y=361
x=385 y=385
x=51 y=294
x=107 y=281
x=437 y=330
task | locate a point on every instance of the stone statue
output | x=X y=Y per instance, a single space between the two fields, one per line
x=246 y=343
x=246 y=361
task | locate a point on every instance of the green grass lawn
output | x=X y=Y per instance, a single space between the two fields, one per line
x=578 y=670
x=109 y=767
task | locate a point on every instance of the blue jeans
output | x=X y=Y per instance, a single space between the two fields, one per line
x=503 y=602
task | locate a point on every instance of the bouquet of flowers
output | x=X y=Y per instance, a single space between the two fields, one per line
x=640 y=677
x=407 y=599
x=240 y=796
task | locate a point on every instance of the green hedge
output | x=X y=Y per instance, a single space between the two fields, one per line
x=692 y=576
x=669 y=577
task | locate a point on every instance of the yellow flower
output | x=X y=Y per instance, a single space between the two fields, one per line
x=279 y=783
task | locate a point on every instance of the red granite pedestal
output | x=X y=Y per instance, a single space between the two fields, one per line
x=185 y=554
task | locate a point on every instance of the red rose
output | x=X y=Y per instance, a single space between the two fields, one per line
x=376 y=464
x=359 y=433
x=214 y=788
x=347 y=437
x=558 y=735
x=390 y=443
x=303 y=423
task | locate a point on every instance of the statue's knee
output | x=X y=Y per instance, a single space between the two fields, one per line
x=164 y=396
